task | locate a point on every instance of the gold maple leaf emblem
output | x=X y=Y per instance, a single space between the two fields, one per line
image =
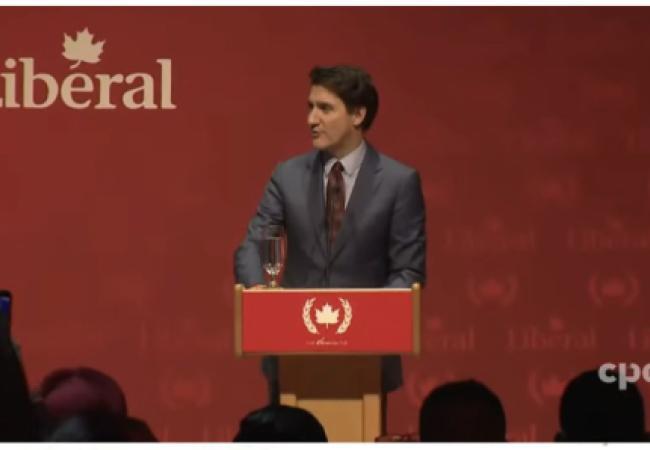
x=82 y=48
x=326 y=316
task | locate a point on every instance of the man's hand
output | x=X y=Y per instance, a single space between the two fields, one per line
x=258 y=286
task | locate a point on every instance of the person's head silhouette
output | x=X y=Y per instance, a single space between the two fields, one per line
x=462 y=411
x=280 y=423
x=592 y=410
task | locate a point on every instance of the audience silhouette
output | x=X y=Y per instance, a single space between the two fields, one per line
x=90 y=427
x=462 y=411
x=594 y=411
x=86 y=405
x=280 y=423
x=71 y=391
x=17 y=417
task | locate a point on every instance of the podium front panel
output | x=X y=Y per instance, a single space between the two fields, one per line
x=356 y=321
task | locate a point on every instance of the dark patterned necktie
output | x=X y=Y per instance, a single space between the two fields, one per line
x=335 y=203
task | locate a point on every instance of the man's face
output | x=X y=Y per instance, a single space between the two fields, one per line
x=332 y=127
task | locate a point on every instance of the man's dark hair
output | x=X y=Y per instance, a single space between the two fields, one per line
x=351 y=84
x=594 y=411
x=280 y=423
x=462 y=411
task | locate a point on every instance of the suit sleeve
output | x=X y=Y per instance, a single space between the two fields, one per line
x=270 y=211
x=407 y=245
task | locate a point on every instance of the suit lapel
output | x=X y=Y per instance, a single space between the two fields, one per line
x=362 y=193
x=316 y=200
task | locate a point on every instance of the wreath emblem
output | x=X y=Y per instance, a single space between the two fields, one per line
x=329 y=316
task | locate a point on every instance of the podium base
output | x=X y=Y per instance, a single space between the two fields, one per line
x=343 y=392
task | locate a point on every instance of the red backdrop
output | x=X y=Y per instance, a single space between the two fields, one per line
x=529 y=127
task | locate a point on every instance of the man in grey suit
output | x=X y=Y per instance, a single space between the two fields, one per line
x=353 y=217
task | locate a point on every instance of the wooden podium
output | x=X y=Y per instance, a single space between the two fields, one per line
x=329 y=343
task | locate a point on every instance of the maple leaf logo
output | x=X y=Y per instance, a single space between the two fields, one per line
x=82 y=48
x=327 y=316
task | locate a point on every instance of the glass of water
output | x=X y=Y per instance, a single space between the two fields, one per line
x=273 y=250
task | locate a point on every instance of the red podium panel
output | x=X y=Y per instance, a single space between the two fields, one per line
x=309 y=321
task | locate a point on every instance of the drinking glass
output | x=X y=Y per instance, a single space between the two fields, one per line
x=273 y=250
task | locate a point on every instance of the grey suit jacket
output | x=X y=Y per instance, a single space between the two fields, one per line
x=381 y=243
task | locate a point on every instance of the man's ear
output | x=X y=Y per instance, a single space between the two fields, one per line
x=358 y=115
